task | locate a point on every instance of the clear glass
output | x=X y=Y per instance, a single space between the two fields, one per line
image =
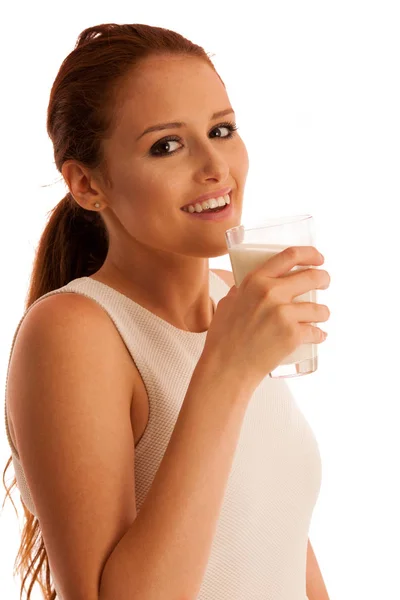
x=250 y=247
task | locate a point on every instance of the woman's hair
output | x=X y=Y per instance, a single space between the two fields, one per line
x=74 y=243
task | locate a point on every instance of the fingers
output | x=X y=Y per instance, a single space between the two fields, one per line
x=310 y=334
x=307 y=312
x=284 y=261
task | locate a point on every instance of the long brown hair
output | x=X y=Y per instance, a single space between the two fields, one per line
x=74 y=242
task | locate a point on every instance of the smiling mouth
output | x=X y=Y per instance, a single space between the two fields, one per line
x=197 y=207
x=219 y=213
x=217 y=209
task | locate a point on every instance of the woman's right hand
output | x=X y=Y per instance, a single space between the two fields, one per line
x=256 y=325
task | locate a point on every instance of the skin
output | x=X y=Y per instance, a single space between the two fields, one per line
x=158 y=255
x=316 y=589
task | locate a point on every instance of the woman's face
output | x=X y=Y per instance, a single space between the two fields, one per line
x=153 y=177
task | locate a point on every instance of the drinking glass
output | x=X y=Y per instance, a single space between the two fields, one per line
x=251 y=247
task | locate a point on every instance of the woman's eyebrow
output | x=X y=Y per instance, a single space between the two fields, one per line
x=220 y=113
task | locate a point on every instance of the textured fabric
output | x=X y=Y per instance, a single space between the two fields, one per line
x=260 y=546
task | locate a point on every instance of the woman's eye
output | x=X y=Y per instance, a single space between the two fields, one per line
x=231 y=127
x=163 y=147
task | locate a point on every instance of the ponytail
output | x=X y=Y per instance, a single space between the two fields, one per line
x=74 y=244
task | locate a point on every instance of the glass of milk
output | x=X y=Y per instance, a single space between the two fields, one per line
x=250 y=247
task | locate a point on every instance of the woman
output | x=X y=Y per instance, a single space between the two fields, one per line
x=154 y=456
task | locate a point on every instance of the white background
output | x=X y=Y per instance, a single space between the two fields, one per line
x=315 y=87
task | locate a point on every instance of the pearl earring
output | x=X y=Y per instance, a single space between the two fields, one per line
x=97 y=205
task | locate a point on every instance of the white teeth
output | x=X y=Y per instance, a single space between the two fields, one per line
x=211 y=203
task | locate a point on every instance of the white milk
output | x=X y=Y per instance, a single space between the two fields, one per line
x=246 y=257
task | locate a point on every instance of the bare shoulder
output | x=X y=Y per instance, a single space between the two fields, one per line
x=227 y=276
x=63 y=325
x=74 y=315
x=69 y=395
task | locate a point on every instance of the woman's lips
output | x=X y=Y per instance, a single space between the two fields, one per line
x=223 y=214
x=216 y=194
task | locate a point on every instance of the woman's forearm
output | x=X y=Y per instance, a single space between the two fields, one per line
x=164 y=554
x=315 y=589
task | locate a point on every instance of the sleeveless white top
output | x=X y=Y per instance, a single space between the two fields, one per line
x=259 y=550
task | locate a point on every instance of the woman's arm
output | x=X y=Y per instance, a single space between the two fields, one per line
x=164 y=552
x=315 y=586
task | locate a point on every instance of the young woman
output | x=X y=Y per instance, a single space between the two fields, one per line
x=155 y=457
